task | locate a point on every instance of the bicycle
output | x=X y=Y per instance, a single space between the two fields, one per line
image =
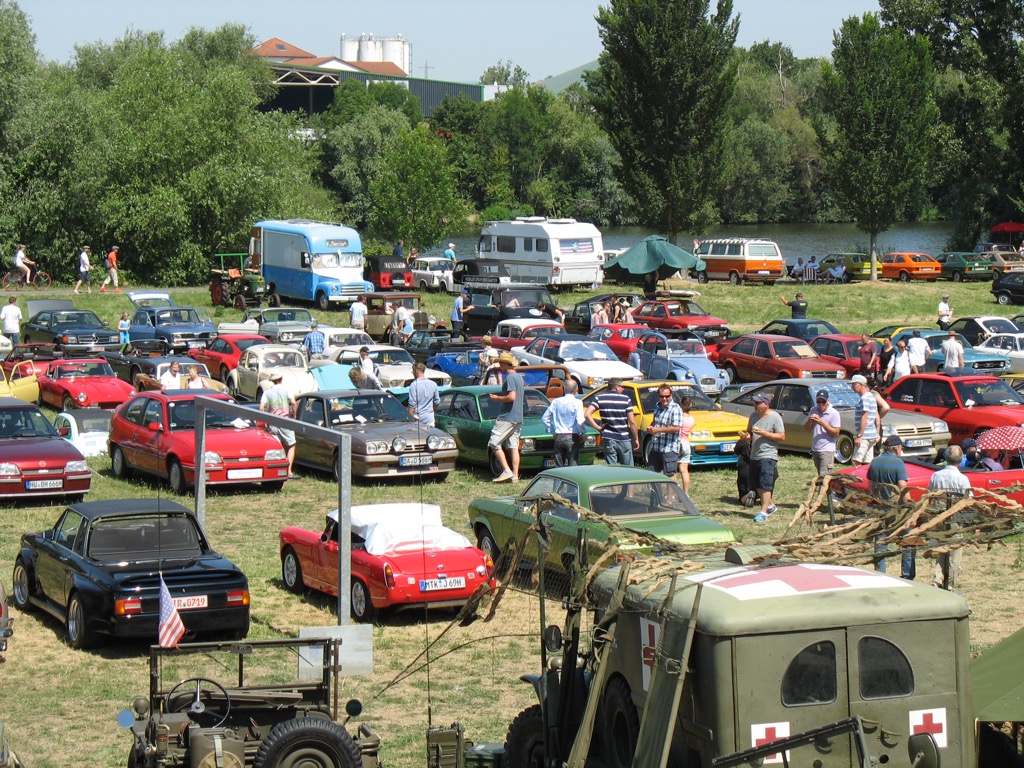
x=15 y=280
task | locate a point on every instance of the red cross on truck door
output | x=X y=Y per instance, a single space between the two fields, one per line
x=931 y=721
x=766 y=733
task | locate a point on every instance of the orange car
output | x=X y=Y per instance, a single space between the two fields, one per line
x=910 y=266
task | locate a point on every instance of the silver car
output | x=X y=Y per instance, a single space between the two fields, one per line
x=794 y=398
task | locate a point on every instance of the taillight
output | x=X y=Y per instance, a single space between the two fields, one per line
x=488 y=564
x=128 y=606
x=237 y=597
x=389 y=576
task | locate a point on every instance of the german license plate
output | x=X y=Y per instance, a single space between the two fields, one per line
x=919 y=442
x=548 y=463
x=435 y=585
x=763 y=272
x=36 y=485
x=727 y=448
x=192 y=601
x=244 y=474
x=96 y=348
x=196 y=345
x=414 y=461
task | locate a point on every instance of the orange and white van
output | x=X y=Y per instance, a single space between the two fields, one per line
x=740 y=260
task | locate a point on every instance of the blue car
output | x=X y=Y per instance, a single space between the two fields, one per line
x=681 y=358
x=974 y=360
x=800 y=329
x=462 y=365
x=173 y=328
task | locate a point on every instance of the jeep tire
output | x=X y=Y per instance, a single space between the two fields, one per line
x=308 y=741
x=619 y=723
x=524 y=742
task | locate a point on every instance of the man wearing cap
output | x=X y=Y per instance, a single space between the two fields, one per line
x=951 y=481
x=619 y=433
x=887 y=476
x=279 y=401
x=449 y=253
x=765 y=430
x=919 y=351
x=509 y=423
x=314 y=341
x=866 y=421
x=423 y=396
x=461 y=305
x=362 y=380
x=954 y=352
x=945 y=313
x=824 y=422
x=798 y=307
x=366 y=362
x=488 y=356
x=357 y=314
x=84 y=268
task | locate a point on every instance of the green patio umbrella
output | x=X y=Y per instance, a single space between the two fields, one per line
x=652 y=253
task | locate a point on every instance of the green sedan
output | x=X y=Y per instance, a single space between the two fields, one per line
x=635 y=498
x=467 y=414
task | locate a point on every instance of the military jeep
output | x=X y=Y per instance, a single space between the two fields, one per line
x=251 y=704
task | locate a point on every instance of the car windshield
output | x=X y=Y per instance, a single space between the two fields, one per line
x=79 y=370
x=287 y=316
x=687 y=347
x=788 y=350
x=144 y=537
x=333 y=259
x=585 y=350
x=525 y=296
x=284 y=360
x=244 y=344
x=699 y=401
x=624 y=500
x=391 y=357
x=935 y=341
x=182 y=369
x=995 y=392
x=76 y=318
x=182 y=417
x=840 y=395
x=364 y=409
x=24 y=422
x=177 y=316
x=91 y=419
x=681 y=308
x=534 y=405
x=1000 y=325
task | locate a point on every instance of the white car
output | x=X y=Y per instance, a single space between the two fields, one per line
x=592 y=363
x=433 y=273
x=255 y=366
x=393 y=365
x=85 y=428
x=1010 y=345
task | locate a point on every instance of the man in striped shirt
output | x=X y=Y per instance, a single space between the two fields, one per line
x=619 y=435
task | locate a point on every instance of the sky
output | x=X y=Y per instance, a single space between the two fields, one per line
x=451 y=39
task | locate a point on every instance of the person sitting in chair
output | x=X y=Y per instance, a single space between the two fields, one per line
x=837 y=273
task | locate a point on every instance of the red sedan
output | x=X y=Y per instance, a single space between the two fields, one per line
x=154 y=432
x=765 y=356
x=841 y=348
x=919 y=474
x=621 y=337
x=81 y=383
x=221 y=357
x=402 y=556
x=675 y=314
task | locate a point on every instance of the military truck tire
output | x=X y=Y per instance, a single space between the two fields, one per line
x=311 y=742
x=524 y=742
x=620 y=724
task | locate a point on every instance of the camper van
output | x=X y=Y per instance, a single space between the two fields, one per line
x=554 y=252
x=309 y=261
x=740 y=260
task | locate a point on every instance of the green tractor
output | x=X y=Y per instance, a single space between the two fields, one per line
x=239 y=286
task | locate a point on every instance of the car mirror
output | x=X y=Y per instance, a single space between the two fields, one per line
x=553 y=638
x=64 y=431
x=153 y=426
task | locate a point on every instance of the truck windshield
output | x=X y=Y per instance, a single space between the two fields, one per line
x=336 y=259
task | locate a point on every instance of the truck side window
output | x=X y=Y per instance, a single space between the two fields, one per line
x=884 y=669
x=811 y=676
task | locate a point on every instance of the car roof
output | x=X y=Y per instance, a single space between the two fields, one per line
x=10 y=402
x=943 y=376
x=349 y=392
x=605 y=473
x=182 y=394
x=840 y=336
x=121 y=507
x=769 y=337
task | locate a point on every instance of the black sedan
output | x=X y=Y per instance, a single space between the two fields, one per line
x=424 y=344
x=800 y=329
x=98 y=571
x=73 y=331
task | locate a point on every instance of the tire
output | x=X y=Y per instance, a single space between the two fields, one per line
x=734 y=375
x=957 y=276
x=423 y=286
x=362 y=605
x=702 y=278
x=119 y=464
x=308 y=742
x=67 y=403
x=620 y=724
x=176 y=478
x=645 y=452
x=42 y=281
x=524 y=742
x=274 y=486
x=76 y=623
x=274 y=300
x=240 y=302
x=844 y=448
x=322 y=302
x=485 y=541
x=904 y=277
x=734 y=278
x=1003 y=299
x=216 y=294
x=291 y=571
x=493 y=461
x=12 y=282
x=225 y=374
x=21 y=587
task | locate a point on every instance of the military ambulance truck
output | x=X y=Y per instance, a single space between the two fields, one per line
x=847 y=667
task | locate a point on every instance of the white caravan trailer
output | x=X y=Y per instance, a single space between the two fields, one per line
x=555 y=252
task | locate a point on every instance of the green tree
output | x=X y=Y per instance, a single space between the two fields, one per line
x=661 y=89
x=18 y=69
x=505 y=73
x=878 y=147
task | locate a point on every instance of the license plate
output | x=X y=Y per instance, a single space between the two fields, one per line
x=196 y=345
x=244 y=474
x=920 y=442
x=414 y=461
x=727 y=448
x=434 y=585
x=192 y=601
x=548 y=463
x=35 y=485
x=763 y=272
x=96 y=348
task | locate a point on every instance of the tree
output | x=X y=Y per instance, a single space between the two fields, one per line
x=661 y=89
x=878 y=147
x=18 y=69
x=505 y=73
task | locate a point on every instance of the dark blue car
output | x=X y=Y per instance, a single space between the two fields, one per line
x=175 y=329
x=73 y=331
x=800 y=329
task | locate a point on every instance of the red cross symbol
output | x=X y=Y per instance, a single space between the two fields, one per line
x=931 y=721
x=798 y=577
x=928 y=725
x=770 y=735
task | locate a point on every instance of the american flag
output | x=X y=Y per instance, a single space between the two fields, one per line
x=171 y=628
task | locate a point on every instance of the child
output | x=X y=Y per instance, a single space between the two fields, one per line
x=124 y=325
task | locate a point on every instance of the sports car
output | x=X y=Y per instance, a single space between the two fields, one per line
x=467 y=414
x=154 y=433
x=975 y=360
x=386 y=440
x=34 y=460
x=99 y=570
x=402 y=557
x=635 y=498
x=462 y=366
x=977 y=329
x=37 y=352
x=82 y=383
x=73 y=331
x=1008 y=345
x=85 y=428
x=223 y=353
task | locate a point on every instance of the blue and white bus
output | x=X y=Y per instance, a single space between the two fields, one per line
x=309 y=261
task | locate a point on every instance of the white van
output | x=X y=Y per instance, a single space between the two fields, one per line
x=554 y=252
x=740 y=260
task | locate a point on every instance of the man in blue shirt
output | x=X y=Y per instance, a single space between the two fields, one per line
x=423 y=396
x=888 y=478
x=664 y=431
x=449 y=253
x=564 y=419
x=509 y=423
x=314 y=341
x=461 y=305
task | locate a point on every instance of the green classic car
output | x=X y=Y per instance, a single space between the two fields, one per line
x=467 y=414
x=635 y=498
x=964 y=265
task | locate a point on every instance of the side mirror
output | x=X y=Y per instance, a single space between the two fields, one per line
x=153 y=426
x=552 y=636
x=64 y=431
x=924 y=752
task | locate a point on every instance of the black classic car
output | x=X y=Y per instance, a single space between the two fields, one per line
x=73 y=331
x=493 y=303
x=424 y=344
x=98 y=571
x=138 y=367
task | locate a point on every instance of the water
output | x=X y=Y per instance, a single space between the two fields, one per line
x=795 y=240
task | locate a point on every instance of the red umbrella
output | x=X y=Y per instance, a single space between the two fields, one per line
x=1002 y=439
x=1008 y=227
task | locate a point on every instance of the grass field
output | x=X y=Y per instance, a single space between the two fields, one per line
x=60 y=705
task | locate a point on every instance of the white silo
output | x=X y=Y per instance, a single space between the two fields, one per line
x=370 y=48
x=349 y=48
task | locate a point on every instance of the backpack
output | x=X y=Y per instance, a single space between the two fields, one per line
x=106 y=262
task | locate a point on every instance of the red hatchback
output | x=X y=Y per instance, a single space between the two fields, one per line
x=621 y=337
x=154 y=432
x=675 y=314
x=221 y=357
x=840 y=348
x=766 y=356
x=82 y=383
x=34 y=459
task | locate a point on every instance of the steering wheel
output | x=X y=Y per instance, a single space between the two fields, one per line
x=196 y=707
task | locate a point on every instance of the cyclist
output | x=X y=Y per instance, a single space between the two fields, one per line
x=24 y=264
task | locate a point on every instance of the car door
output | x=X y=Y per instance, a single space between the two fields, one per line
x=561 y=521
x=142 y=326
x=310 y=450
x=652 y=351
x=793 y=404
x=150 y=445
x=24 y=383
x=762 y=365
x=739 y=357
x=61 y=548
x=467 y=429
x=247 y=375
x=125 y=426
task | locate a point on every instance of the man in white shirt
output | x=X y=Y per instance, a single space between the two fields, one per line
x=899 y=364
x=11 y=318
x=84 y=268
x=171 y=378
x=919 y=351
x=953 y=482
x=954 y=352
x=22 y=262
x=358 y=314
x=564 y=419
x=945 y=313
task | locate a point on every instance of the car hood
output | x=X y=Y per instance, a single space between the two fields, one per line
x=700 y=320
x=699 y=365
x=228 y=442
x=105 y=388
x=385 y=430
x=37 y=450
x=718 y=421
x=689 y=529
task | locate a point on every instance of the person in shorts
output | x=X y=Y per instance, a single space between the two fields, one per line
x=765 y=430
x=279 y=401
x=664 y=431
x=866 y=420
x=509 y=423
x=684 y=443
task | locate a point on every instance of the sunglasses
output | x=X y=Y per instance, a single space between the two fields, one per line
x=664 y=397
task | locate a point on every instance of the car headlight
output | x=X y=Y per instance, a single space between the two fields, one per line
x=590 y=441
x=940 y=426
x=212 y=457
x=398 y=444
x=68 y=339
x=71 y=466
x=888 y=429
x=805 y=374
x=700 y=434
x=440 y=443
x=376 y=446
x=277 y=454
x=689 y=374
x=595 y=381
x=177 y=337
x=841 y=374
x=446 y=380
x=528 y=444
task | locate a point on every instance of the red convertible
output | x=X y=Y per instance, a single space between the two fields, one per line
x=402 y=557
x=919 y=474
x=82 y=383
x=154 y=432
x=221 y=357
